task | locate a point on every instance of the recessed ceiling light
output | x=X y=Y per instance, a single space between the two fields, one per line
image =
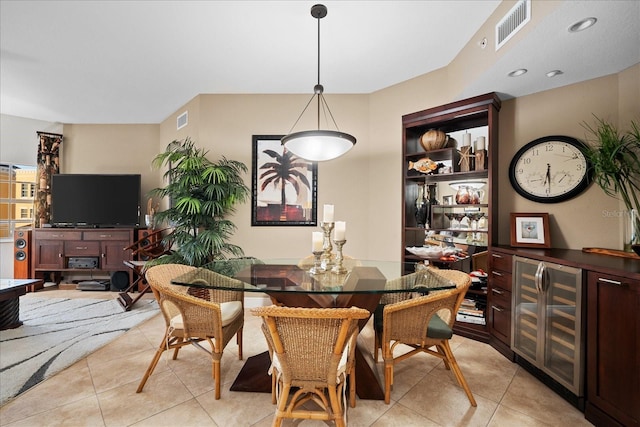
x=518 y=72
x=554 y=73
x=582 y=25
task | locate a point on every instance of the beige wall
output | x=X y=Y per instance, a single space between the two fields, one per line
x=111 y=149
x=365 y=184
x=592 y=218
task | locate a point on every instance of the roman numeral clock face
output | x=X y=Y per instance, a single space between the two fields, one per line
x=550 y=169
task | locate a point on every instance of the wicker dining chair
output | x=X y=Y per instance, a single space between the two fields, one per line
x=421 y=322
x=194 y=314
x=312 y=352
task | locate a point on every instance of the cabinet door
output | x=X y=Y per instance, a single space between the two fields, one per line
x=613 y=346
x=49 y=254
x=113 y=255
x=562 y=293
x=527 y=329
x=499 y=314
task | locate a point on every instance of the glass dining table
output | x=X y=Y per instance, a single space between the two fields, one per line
x=290 y=282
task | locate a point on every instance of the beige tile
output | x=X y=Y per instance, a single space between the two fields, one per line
x=401 y=416
x=508 y=417
x=107 y=374
x=84 y=412
x=186 y=414
x=180 y=392
x=133 y=341
x=237 y=408
x=531 y=397
x=68 y=386
x=123 y=406
x=487 y=372
x=447 y=404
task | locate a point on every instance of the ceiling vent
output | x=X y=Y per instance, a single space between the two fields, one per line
x=513 y=22
x=183 y=120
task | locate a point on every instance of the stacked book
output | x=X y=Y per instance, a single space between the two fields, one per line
x=470 y=312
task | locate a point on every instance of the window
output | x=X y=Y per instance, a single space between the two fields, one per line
x=17 y=191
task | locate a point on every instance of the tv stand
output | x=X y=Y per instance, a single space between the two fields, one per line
x=54 y=247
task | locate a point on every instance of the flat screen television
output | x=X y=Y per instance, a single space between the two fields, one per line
x=92 y=200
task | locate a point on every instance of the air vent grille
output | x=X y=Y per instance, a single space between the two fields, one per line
x=182 y=120
x=513 y=22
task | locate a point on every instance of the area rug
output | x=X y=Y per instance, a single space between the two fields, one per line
x=56 y=333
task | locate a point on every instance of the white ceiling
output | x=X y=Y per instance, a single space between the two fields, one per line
x=140 y=61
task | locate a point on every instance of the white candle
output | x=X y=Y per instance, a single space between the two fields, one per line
x=316 y=241
x=328 y=213
x=341 y=228
x=466 y=139
x=480 y=143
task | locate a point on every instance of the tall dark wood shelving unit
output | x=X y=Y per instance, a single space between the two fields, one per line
x=473 y=113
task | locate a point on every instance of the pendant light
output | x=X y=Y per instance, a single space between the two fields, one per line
x=318 y=145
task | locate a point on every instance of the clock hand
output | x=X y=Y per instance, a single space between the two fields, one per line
x=547 y=178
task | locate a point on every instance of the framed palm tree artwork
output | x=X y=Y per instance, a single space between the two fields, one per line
x=284 y=188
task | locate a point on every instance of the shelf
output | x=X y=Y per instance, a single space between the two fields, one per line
x=453 y=176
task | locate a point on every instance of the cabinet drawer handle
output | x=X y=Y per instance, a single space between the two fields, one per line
x=57 y=235
x=496 y=255
x=495 y=291
x=105 y=235
x=613 y=282
x=82 y=248
x=495 y=273
x=493 y=307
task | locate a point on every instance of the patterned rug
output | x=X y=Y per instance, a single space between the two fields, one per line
x=58 y=332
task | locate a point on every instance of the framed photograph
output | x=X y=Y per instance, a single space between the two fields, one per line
x=284 y=186
x=530 y=230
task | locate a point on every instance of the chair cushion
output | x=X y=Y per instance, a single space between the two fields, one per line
x=437 y=327
x=229 y=311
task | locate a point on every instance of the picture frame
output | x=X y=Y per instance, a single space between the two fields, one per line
x=530 y=230
x=270 y=161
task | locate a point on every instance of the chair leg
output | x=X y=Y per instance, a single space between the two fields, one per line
x=336 y=407
x=152 y=366
x=239 y=341
x=388 y=379
x=216 y=377
x=457 y=372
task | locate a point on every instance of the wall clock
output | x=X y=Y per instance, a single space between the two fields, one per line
x=550 y=169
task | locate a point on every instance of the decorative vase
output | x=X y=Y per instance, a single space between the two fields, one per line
x=421 y=207
x=632 y=231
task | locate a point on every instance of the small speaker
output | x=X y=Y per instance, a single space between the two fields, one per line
x=119 y=280
x=144 y=238
x=21 y=254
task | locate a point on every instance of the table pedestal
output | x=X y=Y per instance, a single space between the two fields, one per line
x=10 y=292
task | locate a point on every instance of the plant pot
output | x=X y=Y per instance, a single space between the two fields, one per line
x=631 y=235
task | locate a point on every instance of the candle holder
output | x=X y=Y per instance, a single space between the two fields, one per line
x=317 y=264
x=327 y=228
x=338 y=268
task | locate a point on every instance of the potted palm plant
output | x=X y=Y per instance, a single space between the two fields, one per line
x=615 y=163
x=202 y=193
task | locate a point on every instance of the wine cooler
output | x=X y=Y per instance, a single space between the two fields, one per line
x=547 y=324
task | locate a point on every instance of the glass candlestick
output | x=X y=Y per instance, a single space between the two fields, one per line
x=327 y=228
x=339 y=268
x=317 y=264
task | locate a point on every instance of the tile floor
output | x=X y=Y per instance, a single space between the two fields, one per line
x=100 y=389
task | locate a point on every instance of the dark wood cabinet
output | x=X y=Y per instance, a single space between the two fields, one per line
x=613 y=350
x=467 y=222
x=499 y=301
x=77 y=251
x=611 y=330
